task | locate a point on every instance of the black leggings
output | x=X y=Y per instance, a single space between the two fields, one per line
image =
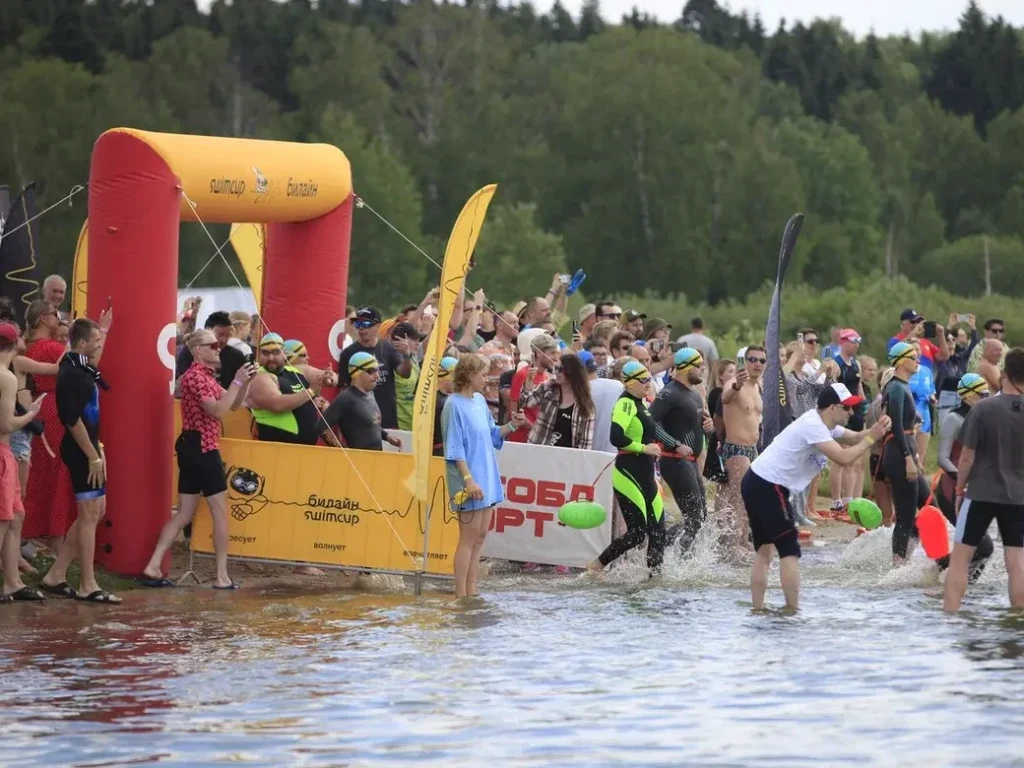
x=687 y=488
x=633 y=481
x=907 y=497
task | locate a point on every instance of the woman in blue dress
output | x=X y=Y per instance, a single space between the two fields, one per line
x=471 y=468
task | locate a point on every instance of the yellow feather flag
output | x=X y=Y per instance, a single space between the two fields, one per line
x=248 y=241
x=80 y=273
x=461 y=243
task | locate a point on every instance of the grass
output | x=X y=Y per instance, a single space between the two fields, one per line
x=108 y=582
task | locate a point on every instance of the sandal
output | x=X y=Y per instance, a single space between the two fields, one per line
x=27 y=595
x=232 y=585
x=156 y=583
x=60 y=590
x=99 y=596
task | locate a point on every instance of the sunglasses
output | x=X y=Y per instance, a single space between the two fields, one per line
x=364 y=324
x=811 y=341
x=372 y=370
x=757 y=360
x=214 y=345
x=998 y=330
x=612 y=315
x=645 y=380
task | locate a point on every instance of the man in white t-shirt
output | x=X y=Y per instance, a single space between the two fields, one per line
x=793 y=459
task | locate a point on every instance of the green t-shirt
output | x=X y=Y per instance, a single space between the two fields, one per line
x=405 y=393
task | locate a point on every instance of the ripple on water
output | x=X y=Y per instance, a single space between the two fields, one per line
x=622 y=671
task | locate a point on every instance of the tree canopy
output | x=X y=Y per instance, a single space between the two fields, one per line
x=661 y=158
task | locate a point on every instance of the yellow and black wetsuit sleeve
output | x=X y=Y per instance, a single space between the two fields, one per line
x=626 y=428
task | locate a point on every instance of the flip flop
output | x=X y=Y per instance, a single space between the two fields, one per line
x=60 y=590
x=27 y=595
x=156 y=583
x=99 y=596
x=232 y=585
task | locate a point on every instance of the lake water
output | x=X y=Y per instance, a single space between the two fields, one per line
x=541 y=671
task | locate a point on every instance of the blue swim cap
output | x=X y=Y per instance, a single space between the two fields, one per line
x=446 y=366
x=687 y=357
x=272 y=341
x=634 y=370
x=900 y=351
x=362 y=361
x=293 y=347
x=972 y=384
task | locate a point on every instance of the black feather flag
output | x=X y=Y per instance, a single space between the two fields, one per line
x=777 y=412
x=19 y=252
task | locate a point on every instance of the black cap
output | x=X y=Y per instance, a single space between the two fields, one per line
x=406 y=331
x=909 y=315
x=368 y=313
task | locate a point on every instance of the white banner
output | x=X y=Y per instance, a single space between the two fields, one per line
x=538 y=480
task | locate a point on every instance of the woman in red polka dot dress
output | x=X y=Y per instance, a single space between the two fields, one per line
x=200 y=469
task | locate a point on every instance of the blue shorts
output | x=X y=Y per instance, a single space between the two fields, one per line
x=21 y=445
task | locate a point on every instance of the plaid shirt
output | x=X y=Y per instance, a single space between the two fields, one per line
x=548 y=397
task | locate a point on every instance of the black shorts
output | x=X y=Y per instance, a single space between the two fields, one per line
x=976 y=516
x=770 y=515
x=78 y=467
x=198 y=472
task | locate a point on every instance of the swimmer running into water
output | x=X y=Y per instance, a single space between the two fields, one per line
x=900 y=462
x=635 y=433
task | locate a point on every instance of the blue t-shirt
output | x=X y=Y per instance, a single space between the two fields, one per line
x=470 y=435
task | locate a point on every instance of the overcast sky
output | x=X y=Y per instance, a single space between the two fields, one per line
x=886 y=17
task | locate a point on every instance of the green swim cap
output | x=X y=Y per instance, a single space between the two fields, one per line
x=972 y=384
x=362 y=361
x=687 y=357
x=900 y=351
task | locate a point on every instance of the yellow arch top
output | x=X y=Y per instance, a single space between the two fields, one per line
x=250 y=179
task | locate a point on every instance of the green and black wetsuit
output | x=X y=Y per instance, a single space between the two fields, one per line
x=301 y=425
x=679 y=410
x=636 y=490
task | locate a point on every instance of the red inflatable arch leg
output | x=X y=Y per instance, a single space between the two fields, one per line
x=137 y=188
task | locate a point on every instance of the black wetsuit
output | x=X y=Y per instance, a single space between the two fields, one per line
x=680 y=412
x=907 y=495
x=357 y=414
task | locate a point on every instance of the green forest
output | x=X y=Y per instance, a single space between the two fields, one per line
x=663 y=158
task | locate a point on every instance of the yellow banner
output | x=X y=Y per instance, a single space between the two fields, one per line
x=461 y=243
x=249 y=241
x=80 y=273
x=311 y=504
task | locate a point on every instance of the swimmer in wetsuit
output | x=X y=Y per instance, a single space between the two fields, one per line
x=899 y=456
x=634 y=433
x=972 y=389
x=355 y=411
x=679 y=410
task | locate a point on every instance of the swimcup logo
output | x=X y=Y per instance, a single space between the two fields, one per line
x=262 y=188
x=245 y=492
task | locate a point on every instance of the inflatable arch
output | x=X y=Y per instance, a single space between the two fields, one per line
x=140 y=185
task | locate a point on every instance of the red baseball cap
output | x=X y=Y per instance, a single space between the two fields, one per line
x=848 y=334
x=8 y=333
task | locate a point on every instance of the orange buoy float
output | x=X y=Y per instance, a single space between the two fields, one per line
x=931 y=526
x=804 y=535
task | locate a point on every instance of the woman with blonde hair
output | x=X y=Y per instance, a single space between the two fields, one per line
x=200 y=469
x=474 y=482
